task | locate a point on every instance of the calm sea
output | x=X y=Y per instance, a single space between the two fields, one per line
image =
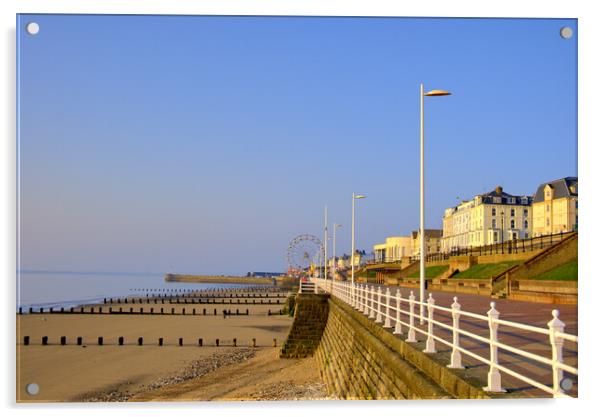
x=67 y=289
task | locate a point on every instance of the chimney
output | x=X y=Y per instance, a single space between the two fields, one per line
x=499 y=189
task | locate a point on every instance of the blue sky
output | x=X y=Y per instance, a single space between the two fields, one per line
x=205 y=144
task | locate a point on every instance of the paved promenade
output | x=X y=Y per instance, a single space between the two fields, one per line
x=534 y=314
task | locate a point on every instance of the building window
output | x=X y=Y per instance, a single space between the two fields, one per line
x=512 y=224
x=493 y=224
x=548 y=194
x=526 y=224
x=525 y=200
x=511 y=212
x=525 y=212
x=547 y=207
x=511 y=200
x=493 y=211
x=547 y=221
x=495 y=236
x=497 y=200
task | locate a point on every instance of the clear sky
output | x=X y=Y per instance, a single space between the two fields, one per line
x=205 y=144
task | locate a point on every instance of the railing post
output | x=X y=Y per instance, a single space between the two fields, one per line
x=556 y=326
x=358 y=298
x=494 y=379
x=379 y=316
x=366 y=301
x=387 y=324
x=372 y=294
x=411 y=331
x=430 y=341
x=398 y=313
x=456 y=357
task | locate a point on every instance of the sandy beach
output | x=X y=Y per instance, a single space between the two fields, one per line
x=114 y=372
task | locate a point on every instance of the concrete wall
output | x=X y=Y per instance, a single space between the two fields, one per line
x=359 y=359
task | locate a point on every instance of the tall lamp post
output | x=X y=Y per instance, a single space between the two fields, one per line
x=353 y=198
x=325 y=242
x=432 y=93
x=335 y=226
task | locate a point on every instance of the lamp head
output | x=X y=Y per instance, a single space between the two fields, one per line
x=435 y=93
x=360 y=196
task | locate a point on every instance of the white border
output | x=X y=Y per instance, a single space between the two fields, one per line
x=590 y=68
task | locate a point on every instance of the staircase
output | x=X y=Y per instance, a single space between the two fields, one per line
x=311 y=315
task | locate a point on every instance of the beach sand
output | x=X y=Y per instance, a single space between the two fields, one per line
x=113 y=372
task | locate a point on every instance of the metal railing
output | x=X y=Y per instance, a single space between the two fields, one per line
x=507 y=247
x=389 y=310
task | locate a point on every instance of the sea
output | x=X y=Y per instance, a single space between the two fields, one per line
x=47 y=289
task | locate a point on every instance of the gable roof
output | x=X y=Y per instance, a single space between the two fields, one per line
x=563 y=187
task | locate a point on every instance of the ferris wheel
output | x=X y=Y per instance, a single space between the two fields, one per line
x=304 y=251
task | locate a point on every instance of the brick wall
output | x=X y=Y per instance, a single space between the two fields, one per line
x=359 y=359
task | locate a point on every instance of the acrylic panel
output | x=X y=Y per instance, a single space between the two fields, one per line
x=226 y=208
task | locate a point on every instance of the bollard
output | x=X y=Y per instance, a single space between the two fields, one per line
x=247 y=311
x=387 y=324
x=100 y=341
x=411 y=330
x=26 y=340
x=379 y=317
x=234 y=341
x=556 y=326
x=274 y=343
x=160 y=341
x=80 y=341
x=254 y=342
x=181 y=341
x=269 y=312
x=216 y=342
x=372 y=295
x=215 y=311
x=194 y=311
x=44 y=340
x=120 y=341
x=201 y=341
x=494 y=379
x=456 y=358
x=63 y=340
x=183 y=311
x=204 y=312
x=140 y=341
x=398 y=313
x=237 y=312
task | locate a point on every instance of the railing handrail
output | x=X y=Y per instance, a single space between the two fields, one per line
x=370 y=302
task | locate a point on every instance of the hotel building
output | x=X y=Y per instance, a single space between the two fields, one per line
x=487 y=219
x=555 y=207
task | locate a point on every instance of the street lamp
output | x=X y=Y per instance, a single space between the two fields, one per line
x=353 y=198
x=335 y=226
x=325 y=242
x=432 y=93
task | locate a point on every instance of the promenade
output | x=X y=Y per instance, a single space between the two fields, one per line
x=528 y=313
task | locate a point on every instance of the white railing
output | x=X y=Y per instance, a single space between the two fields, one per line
x=377 y=305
